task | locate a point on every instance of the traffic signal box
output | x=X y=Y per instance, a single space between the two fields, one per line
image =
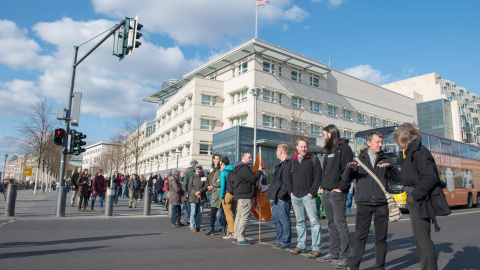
x=76 y=142
x=59 y=136
x=128 y=36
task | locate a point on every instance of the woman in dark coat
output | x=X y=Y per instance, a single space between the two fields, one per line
x=419 y=177
x=98 y=189
x=197 y=189
x=176 y=197
x=82 y=190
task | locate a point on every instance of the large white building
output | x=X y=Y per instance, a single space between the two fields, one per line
x=295 y=94
x=92 y=157
x=444 y=108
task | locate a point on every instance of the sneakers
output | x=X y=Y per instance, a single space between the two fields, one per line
x=297 y=250
x=328 y=258
x=279 y=247
x=314 y=254
x=244 y=243
x=228 y=236
x=234 y=241
x=341 y=264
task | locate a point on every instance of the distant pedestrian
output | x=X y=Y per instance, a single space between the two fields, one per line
x=82 y=191
x=158 y=186
x=186 y=179
x=175 y=198
x=229 y=204
x=74 y=179
x=197 y=188
x=132 y=191
x=351 y=193
x=117 y=186
x=98 y=189
x=215 y=201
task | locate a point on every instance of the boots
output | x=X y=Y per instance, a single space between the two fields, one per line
x=210 y=232
x=79 y=207
x=84 y=207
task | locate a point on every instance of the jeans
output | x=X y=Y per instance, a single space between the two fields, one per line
x=334 y=203
x=220 y=220
x=309 y=204
x=74 y=196
x=94 y=198
x=348 y=206
x=125 y=191
x=176 y=213
x=186 y=207
x=196 y=210
x=160 y=197
x=283 y=224
x=362 y=226
x=118 y=190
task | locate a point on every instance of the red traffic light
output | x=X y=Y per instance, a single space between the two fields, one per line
x=58 y=132
x=58 y=136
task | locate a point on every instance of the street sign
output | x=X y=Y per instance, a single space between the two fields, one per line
x=27 y=171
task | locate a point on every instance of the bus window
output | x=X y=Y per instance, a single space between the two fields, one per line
x=473 y=153
x=456 y=149
x=464 y=149
x=435 y=144
x=446 y=147
x=425 y=141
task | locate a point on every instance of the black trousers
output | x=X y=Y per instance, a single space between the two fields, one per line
x=421 y=232
x=213 y=217
x=334 y=205
x=362 y=226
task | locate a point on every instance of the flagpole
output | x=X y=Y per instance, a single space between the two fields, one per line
x=256 y=13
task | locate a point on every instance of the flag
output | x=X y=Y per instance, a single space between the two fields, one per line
x=261 y=204
x=262 y=2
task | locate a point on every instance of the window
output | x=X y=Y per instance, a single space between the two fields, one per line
x=315 y=106
x=182 y=106
x=268 y=66
x=296 y=102
x=213 y=76
x=296 y=75
x=189 y=125
x=384 y=123
x=242 y=96
x=280 y=70
x=209 y=100
x=314 y=80
x=347 y=134
x=174 y=133
x=162 y=139
x=268 y=121
x=207 y=124
x=232 y=96
x=168 y=116
x=268 y=95
x=279 y=98
x=243 y=120
x=181 y=129
x=187 y=150
x=332 y=111
x=243 y=67
x=374 y=121
x=205 y=149
x=296 y=126
x=347 y=114
x=280 y=123
x=175 y=112
x=316 y=130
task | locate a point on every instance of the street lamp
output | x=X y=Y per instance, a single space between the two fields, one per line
x=5 y=168
x=177 y=152
x=256 y=93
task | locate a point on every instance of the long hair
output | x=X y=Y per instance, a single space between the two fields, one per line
x=332 y=143
x=213 y=164
x=405 y=134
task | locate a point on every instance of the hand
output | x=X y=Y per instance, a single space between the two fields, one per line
x=352 y=165
x=280 y=200
x=384 y=165
x=336 y=190
x=210 y=187
x=310 y=195
x=197 y=193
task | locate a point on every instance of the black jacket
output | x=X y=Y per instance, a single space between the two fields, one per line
x=426 y=176
x=278 y=187
x=332 y=173
x=367 y=190
x=244 y=181
x=159 y=185
x=74 y=180
x=304 y=179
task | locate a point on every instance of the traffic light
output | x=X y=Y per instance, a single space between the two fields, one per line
x=76 y=142
x=133 y=34
x=58 y=136
x=127 y=37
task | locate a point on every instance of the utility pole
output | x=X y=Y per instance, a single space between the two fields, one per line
x=256 y=93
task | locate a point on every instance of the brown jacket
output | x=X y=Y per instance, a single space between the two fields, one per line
x=196 y=184
x=176 y=194
x=82 y=185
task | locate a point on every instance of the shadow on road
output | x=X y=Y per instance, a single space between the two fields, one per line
x=71 y=241
x=465 y=259
x=411 y=258
x=46 y=252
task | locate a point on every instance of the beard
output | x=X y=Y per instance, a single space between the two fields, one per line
x=328 y=145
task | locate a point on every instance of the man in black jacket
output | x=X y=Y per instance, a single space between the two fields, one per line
x=334 y=196
x=370 y=200
x=303 y=180
x=244 y=190
x=74 y=180
x=278 y=193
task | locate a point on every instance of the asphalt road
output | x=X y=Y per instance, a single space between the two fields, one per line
x=134 y=241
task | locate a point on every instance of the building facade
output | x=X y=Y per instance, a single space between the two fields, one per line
x=100 y=156
x=262 y=85
x=459 y=109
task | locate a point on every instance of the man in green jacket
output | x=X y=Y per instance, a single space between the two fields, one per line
x=186 y=179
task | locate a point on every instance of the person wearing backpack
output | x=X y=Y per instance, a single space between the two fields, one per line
x=229 y=204
x=282 y=203
x=303 y=179
x=243 y=191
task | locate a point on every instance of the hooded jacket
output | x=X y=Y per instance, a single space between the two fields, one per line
x=333 y=169
x=223 y=179
x=367 y=190
x=244 y=183
x=278 y=187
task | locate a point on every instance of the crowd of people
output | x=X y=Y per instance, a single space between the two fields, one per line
x=298 y=179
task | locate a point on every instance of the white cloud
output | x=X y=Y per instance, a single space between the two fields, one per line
x=202 y=22
x=18 y=51
x=367 y=73
x=15 y=95
x=332 y=3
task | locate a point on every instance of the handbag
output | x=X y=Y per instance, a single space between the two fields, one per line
x=394 y=213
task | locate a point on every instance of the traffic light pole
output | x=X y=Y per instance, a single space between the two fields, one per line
x=62 y=189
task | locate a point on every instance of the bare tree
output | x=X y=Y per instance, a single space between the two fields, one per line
x=294 y=128
x=135 y=137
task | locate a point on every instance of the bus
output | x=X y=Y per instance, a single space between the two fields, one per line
x=458 y=166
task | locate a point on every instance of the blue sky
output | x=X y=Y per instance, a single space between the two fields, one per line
x=378 y=41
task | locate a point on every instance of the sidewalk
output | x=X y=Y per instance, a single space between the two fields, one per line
x=44 y=205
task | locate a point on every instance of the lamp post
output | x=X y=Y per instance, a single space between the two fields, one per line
x=177 y=152
x=5 y=168
x=256 y=93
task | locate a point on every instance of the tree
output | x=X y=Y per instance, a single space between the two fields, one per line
x=135 y=137
x=294 y=128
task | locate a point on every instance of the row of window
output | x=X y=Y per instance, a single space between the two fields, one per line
x=295 y=74
x=176 y=110
x=277 y=122
x=449 y=147
x=167 y=136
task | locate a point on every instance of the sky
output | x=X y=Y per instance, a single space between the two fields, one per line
x=379 y=41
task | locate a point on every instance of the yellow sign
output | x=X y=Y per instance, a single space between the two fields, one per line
x=27 y=171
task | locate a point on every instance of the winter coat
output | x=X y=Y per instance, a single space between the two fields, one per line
x=367 y=190
x=74 y=180
x=176 y=191
x=98 y=185
x=305 y=178
x=215 y=200
x=196 y=184
x=132 y=180
x=187 y=177
x=223 y=179
x=332 y=173
x=424 y=181
x=82 y=184
x=278 y=186
x=244 y=182
x=210 y=176
x=159 y=185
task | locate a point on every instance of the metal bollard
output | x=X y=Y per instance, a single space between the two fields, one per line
x=11 y=198
x=62 y=201
x=147 y=198
x=109 y=202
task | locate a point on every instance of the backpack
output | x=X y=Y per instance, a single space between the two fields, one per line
x=230 y=182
